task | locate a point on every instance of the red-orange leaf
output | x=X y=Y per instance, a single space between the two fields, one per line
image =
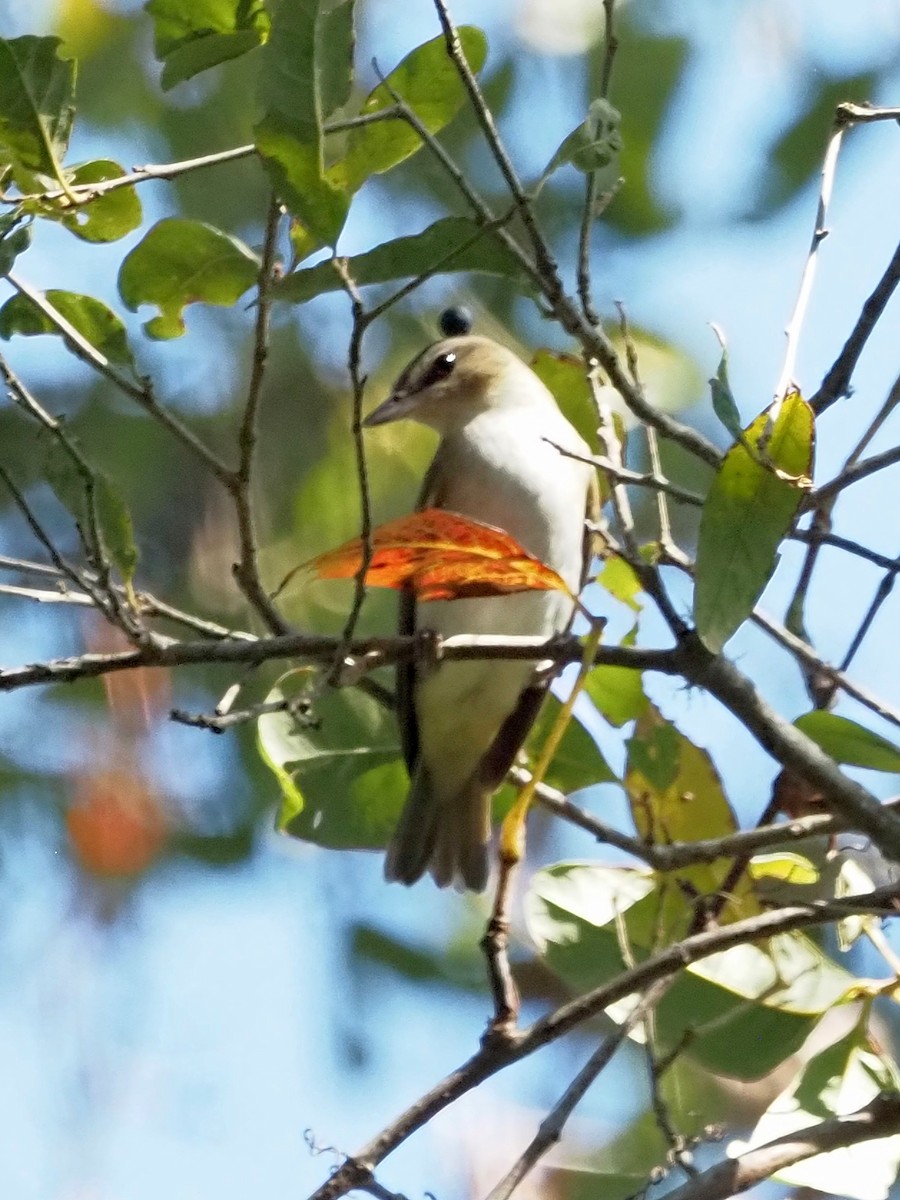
x=441 y=556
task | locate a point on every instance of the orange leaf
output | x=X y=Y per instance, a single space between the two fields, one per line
x=441 y=556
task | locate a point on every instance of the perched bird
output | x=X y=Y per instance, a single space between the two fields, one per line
x=462 y=723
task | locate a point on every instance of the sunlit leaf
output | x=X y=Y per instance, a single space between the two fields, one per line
x=617 y=692
x=837 y=1081
x=848 y=742
x=289 y=137
x=295 y=169
x=112 y=214
x=740 y=1012
x=619 y=579
x=37 y=98
x=748 y=510
x=190 y=37
x=430 y=85
x=181 y=262
x=96 y=322
x=453 y=243
x=342 y=780
x=441 y=556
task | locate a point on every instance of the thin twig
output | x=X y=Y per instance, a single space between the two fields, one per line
x=84 y=193
x=141 y=392
x=594 y=342
x=109 y=601
x=837 y=382
x=610 y=47
x=240 y=482
x=879 y=1118
x=861 y=470
x=79 y=578
x=542 y=255
x=550 y=1129
x=820 y=232
x=358 y=387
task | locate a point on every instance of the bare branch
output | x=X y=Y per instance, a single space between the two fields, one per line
x=879 y=1118
x=837 y=382
x=368 y=652
x=550 y=1129
x=820 y=232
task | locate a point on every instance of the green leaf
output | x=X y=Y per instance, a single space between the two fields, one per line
x=454 y=242
x=619 y=579
x=617 y=692
x=837 y=1081
x=96 y=323
x=430 y=85
x=12 y=244
x=181 y=262
x=191 y=36
x=289 y=137
x=564 y=375
x=37 y=106
x=796 y=156
x=749 y=509
x=117 y=527
x=342 y=781
x=295 y=168
x=644 y=97
x=336 y=43
x=848 y=742
x=593 y=146
x=111 y=215
x=577 y=762
x=723 y=401
x=88 y=493
x=676 y=796
x=740 y=1012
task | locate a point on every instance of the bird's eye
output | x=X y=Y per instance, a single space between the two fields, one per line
x=440 y=369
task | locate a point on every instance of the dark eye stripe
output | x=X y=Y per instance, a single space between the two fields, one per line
x=440 y=369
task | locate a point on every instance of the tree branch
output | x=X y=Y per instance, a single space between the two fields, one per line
x=239 y=482
x=879 y=1118
x=496 y=1056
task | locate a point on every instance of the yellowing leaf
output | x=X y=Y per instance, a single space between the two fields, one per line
x=676 y=796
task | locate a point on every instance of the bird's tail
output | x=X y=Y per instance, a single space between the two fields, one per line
x=446 y=835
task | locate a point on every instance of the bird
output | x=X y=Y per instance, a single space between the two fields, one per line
x=503 y=459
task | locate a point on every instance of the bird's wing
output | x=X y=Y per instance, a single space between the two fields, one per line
x=429 y=497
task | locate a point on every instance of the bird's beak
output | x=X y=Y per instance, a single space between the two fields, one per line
x=397 y=406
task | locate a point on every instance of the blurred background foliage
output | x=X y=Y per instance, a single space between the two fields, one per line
x=183 y=992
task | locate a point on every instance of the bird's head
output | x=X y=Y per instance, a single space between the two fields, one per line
x=457 y=379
